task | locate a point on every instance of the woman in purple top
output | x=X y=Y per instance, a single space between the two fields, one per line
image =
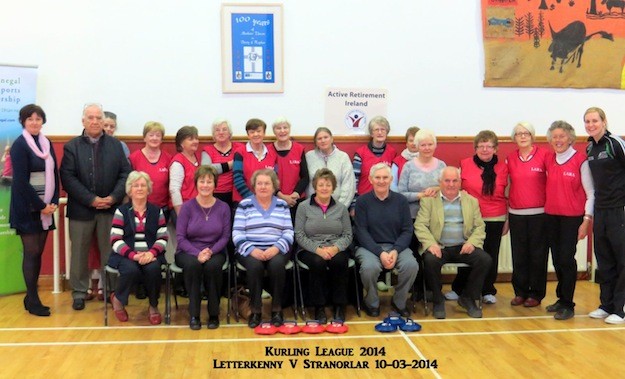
x=203 y=231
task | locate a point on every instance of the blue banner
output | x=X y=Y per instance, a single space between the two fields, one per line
x=18 y=86
x=253 y=48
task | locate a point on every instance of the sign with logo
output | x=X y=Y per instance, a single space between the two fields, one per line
x=17 y=88
x=348 y=110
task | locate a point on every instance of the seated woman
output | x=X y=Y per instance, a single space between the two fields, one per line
x=263 y=234
x=323 y=230
x=203 y=231
x=138 y=238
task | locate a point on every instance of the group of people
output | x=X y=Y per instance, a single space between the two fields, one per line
x=261 y=204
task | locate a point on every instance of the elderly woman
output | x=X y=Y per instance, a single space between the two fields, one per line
x=485 y=177
x=569 y=208
x=608 y=172
x=220 y=155
x=109 y=125
x=526 y=215
x=34 y=198
x=410 y=152
x=376 y=151
x=291 y=163
x=154 y=161
x=254 y=156
x=420 y=174
x=323 y=231
x=183 y=166
x=138 y=240
x=203 y=231
x=327 y=155
x=263 y=235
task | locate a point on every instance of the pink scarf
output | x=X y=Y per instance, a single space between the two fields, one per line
x=44 y=153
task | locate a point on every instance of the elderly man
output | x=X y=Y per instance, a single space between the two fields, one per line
x=384 y=230
x=93 y=171
x=450 y=229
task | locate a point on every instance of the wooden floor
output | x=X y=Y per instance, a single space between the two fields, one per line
x=508 y=342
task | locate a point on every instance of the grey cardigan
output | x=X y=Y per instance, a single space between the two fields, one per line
x=313 y=228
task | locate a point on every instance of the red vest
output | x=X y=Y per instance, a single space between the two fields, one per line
x=528 y=179
x=188 y=190
x=224 y=182
x=400 y=161
x=494 y=205
x=252 y=164
x=369 y=160
x=158 y=172
x=565 y=193
x=289 y=167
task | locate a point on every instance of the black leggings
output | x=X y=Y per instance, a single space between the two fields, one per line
x=34 y=243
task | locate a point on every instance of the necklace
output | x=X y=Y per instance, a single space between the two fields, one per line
x=206 y=214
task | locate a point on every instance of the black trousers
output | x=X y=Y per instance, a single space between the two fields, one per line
x=562 y=236
x=131 y=272
x=492 y=242
x=609 y=234
x=195 y=273
x=255 y=274
x=530 y=254
x=329 y=276
x=479 y=261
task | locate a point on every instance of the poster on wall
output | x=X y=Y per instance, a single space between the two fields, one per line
x=348 y=110
x=17 y=88
x=251 y=53
x=554 y=43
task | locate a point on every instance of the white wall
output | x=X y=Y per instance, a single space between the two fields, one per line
x=161 y=60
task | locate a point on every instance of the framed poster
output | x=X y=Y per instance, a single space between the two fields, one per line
x=251 y=48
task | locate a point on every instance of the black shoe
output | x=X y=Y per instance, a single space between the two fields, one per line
x=140 y=292
x=213 y=322
x=27 y=303
x=402 y=312
x=564 y=314
x=254 y=320
x=277 y=319
x=38 y=310
x=320 y=315
x=555 y=307
x=78 y=304
x=371 y=312
x=339 y=313
x=469 y=305
x=195 y=323
x=439 y=311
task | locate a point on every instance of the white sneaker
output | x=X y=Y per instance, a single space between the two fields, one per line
x=598 y=313
x=382 y=286
x=489 y=299
x=614 y=319
x=451 y=295
x=265 y=295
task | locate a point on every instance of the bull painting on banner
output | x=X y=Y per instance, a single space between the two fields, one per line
x=554 y=43
x=17 y=88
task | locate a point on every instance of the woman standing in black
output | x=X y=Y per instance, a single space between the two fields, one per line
x=34 y=198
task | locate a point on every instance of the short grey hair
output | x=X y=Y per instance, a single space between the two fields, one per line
x=568 y=129
x=220 y=121
x=525 y=125
x=448 y=168
x=380 y=166
x=136 y=175
x=279 y=121
x=423 y=134
x=379 y=120
x=92 y=105
x=267 y=172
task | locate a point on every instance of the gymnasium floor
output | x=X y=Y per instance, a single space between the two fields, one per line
x=510 y=342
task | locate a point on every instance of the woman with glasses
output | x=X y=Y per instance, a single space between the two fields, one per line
x=528 y=176
x=485 y=177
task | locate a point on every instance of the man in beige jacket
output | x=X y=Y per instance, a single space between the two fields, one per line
x=450 y=228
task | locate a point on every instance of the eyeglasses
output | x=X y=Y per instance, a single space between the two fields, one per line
x=522 y=134
x=485 y=147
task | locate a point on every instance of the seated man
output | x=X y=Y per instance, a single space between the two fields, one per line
x=450 y=229
x=384 y=229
